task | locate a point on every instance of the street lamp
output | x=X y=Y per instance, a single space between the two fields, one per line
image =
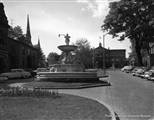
x=93 y=57
x=104 y=72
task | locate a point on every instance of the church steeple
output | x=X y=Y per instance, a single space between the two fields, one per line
x=3 y=20
x=38 y=44
x=28 y=34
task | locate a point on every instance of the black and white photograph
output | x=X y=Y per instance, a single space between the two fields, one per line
x=76 y=59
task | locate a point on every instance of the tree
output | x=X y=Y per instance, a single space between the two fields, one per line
x=84 y=53
x=133 y=19
x=41 y=58
x=53 y=58
x=15 y=32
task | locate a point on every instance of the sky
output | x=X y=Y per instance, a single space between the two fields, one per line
x=48 y=18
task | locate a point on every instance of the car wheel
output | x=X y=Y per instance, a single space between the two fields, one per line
x=24 y=76
x=7 y=77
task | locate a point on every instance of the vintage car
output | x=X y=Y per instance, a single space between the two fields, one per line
x=139 y=72
x=146 y=74
x=16 y=73
x=3 y=78
x=41 y=70
x=151 y=77
x=127 y=69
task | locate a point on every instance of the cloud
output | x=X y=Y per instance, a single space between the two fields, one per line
x=99 y=8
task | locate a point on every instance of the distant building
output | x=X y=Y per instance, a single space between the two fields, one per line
x=16 y=53
x=114 y=57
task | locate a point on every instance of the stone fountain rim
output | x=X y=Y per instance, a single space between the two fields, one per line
x=67 y=45
x=73 y=47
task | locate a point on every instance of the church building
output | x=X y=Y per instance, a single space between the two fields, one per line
x=16 y=52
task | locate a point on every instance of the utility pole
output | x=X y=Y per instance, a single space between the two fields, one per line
x=93 y=57
x=104 y=71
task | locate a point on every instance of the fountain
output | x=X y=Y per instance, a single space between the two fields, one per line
x=67 y=70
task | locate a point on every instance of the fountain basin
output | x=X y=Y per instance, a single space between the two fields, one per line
x=67 y=48
x=67 y=76
x=68 y=68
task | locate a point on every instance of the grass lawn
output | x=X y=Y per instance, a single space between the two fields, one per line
x=64 y=107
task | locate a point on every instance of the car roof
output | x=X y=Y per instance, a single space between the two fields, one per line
x=17 y=69
x=41 y=68
x=151 y=70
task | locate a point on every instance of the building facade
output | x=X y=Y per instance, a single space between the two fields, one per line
x=3 y=40
x=16 y=53
x=109 y=58
x=21 y=55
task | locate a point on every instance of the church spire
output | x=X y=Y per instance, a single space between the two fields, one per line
x=3 y=20
x=28 y=34
x=38 y=44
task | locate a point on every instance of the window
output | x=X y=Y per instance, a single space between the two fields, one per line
x=1 y=38
x=152 y=49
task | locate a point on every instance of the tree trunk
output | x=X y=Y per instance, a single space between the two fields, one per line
x=138 y=53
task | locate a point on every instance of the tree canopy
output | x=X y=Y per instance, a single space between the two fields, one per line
x=133 y=19
x=15 y=32
x=41 y=58
x=84 y=52
x=53 y=58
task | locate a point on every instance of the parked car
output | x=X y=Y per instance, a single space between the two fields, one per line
x=41 y=70
x=151 y=70
x=139 y=72
x=134 y=70
x=151 y=77
x=127 y=69
x=3 y=78
x=146 y=74
x=16 y=73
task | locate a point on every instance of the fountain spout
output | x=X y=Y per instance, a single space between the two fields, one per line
x=67 y=38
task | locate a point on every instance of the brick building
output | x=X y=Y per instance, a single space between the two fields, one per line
x=3 y=40
x=16 y=53
x=21 y=55
x=148 y=59
x=112 y=57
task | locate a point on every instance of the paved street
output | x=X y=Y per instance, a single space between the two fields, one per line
x=132 y=98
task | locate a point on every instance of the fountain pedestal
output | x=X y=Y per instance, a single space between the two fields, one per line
x=68 y=68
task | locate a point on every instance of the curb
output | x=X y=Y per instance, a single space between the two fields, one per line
x=113 y=114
